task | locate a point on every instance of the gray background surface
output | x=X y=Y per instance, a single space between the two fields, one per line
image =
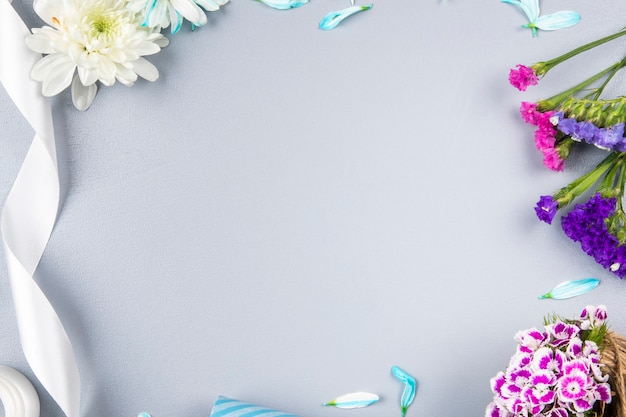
x=286 y=213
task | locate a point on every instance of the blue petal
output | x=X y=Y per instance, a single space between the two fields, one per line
x=558 y=20
x=332 y=19
x=284 y=4
x=410 y=387
x=533 y=9
x=176 y=22
x=569 y=289
x=353 y=400
x=530 y=13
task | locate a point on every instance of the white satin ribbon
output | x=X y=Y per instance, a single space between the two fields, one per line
x=17 y=394
x=27 y=220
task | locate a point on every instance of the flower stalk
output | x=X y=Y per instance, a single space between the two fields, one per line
x=571 y=119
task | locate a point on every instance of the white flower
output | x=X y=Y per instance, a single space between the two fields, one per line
x=162 y=13
x=89 y=41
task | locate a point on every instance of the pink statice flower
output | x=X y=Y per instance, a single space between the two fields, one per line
x=552 y=159
x=522 y=76
x=529 y=112
x=545 y=134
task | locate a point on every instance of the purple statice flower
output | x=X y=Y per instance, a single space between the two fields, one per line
x=586 y=224
x=522 y=76
x=568 y=126
x=546 y=208
x=610 y=138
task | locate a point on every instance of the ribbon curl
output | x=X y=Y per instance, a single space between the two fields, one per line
x=27 y=221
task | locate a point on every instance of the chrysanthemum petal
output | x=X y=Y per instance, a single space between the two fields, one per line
x=55 y=72
x=284 y=4
x=190 y=11
x=145 y=69
x=47 y=9
x=353 y=400
x=126 y=74
x=156 y=13
x=88 y=76
x=332 y=19
x=558 y=20
x=211 y=5
x=82 y=95
x=533 y=8
x=528 y=9
x=40 y=41
x=569 y=289
x=176 y=19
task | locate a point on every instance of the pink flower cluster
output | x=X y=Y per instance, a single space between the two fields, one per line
x=522 y=76
x=545 y=135
x=553 y=373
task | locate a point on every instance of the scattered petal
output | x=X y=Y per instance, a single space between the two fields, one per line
x=558 y=20
x=410 y=386
x=82 y=95
x=353 y=400
x=569 y=289
x=332 y=19
x=284 y=4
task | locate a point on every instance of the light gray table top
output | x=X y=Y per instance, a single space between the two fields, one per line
x=286 y=213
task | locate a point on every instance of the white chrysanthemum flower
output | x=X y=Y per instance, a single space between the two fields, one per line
x=89 y=41
x=162 y=13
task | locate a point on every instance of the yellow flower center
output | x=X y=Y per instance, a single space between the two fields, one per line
x=102 y=24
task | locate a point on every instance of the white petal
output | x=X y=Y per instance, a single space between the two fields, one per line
x=55 y=71
x=87 y=76
x=47 y=9
x=40 y=41
x=190 y=11
x=82 y=95
x=208 y=5
x=126 y=75
x=145 y=69
x=157 y=13
x=146 y=48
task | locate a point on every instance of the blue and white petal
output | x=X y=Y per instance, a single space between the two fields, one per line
x=353 y=400
x=332 y=19
x=569 y=289
x=284 y=4
x=558 y=20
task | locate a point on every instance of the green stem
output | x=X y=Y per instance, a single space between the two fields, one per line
x=543 y=67
x=554 y=101
x=567 y=194
x=605 y=83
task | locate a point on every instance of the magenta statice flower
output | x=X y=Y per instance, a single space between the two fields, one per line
x=546 y=208
x=522 y=77
x=563 y=378
x=552 y=159
x=529 y=112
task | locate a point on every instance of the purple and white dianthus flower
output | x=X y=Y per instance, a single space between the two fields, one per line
x=592 y=316
x=553 y=373
x=561 y=333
